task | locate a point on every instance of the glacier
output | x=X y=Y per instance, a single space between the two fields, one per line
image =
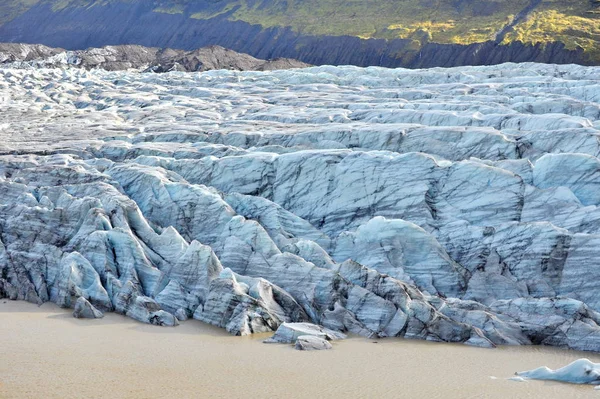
x=455 y=205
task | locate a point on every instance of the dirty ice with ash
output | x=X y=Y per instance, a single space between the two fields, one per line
x=454 y=205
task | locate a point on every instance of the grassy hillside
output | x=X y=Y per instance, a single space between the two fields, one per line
x=576 y=23
x=440 y=21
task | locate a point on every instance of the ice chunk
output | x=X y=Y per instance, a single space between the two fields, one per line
x=581 y=371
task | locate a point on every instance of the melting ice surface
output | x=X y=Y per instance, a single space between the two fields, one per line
x=581 y=371
x=454 y=205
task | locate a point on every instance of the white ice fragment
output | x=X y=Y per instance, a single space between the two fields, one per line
x=581 y=371
x=518 y=379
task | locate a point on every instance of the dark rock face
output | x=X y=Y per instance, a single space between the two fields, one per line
x=118 y=58
x=129 y=23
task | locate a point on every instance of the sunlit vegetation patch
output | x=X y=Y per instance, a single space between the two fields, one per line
x=440 y=21
x=429 y=28
x=175 y=9
x=64 y=4
x=452 y=31
x=550 y=25
x=213 y=14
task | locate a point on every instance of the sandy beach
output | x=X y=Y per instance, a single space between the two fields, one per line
x=47 y=353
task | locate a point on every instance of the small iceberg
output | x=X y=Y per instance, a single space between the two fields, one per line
x=581 y=371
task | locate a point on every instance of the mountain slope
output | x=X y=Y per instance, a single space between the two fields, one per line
x=124 y=57
x=390 y=32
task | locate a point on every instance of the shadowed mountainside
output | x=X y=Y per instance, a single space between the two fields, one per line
x=390 y=33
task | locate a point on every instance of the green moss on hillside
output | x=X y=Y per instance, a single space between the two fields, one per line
x=175 y=9
x=575 y=23
x=441 y=21
x=64 y=4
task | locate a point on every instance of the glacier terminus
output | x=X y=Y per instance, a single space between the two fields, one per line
x=456 y=205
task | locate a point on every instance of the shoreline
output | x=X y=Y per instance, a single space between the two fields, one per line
x=46 y=352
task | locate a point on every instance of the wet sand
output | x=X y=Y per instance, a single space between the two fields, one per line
x=44 y=352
